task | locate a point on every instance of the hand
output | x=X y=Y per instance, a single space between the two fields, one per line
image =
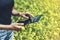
x=23 y=14
x=16 y=26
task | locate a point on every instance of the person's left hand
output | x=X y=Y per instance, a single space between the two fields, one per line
x=23 y=14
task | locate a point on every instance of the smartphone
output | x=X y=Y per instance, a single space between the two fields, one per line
x=31 y=19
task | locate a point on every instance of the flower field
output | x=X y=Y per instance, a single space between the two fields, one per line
x=48 y=27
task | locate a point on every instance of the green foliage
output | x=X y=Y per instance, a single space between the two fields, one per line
x=48 y=28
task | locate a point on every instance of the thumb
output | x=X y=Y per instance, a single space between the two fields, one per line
x=25 y=17
x=19 y=27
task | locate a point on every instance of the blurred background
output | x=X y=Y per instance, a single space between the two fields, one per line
x=48 y=27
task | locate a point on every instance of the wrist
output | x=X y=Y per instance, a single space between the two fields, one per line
x=10 y=27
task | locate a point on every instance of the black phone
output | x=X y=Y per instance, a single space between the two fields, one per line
x=25 y=21
x=31 y=19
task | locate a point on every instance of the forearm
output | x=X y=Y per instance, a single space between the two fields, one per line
x=4 y=27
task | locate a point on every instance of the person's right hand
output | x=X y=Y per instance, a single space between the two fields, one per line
x=16 y=26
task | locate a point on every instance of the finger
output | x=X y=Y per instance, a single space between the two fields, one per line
x=28 y=13
x=25 y=17
x=20 y=24
x=19 y=27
